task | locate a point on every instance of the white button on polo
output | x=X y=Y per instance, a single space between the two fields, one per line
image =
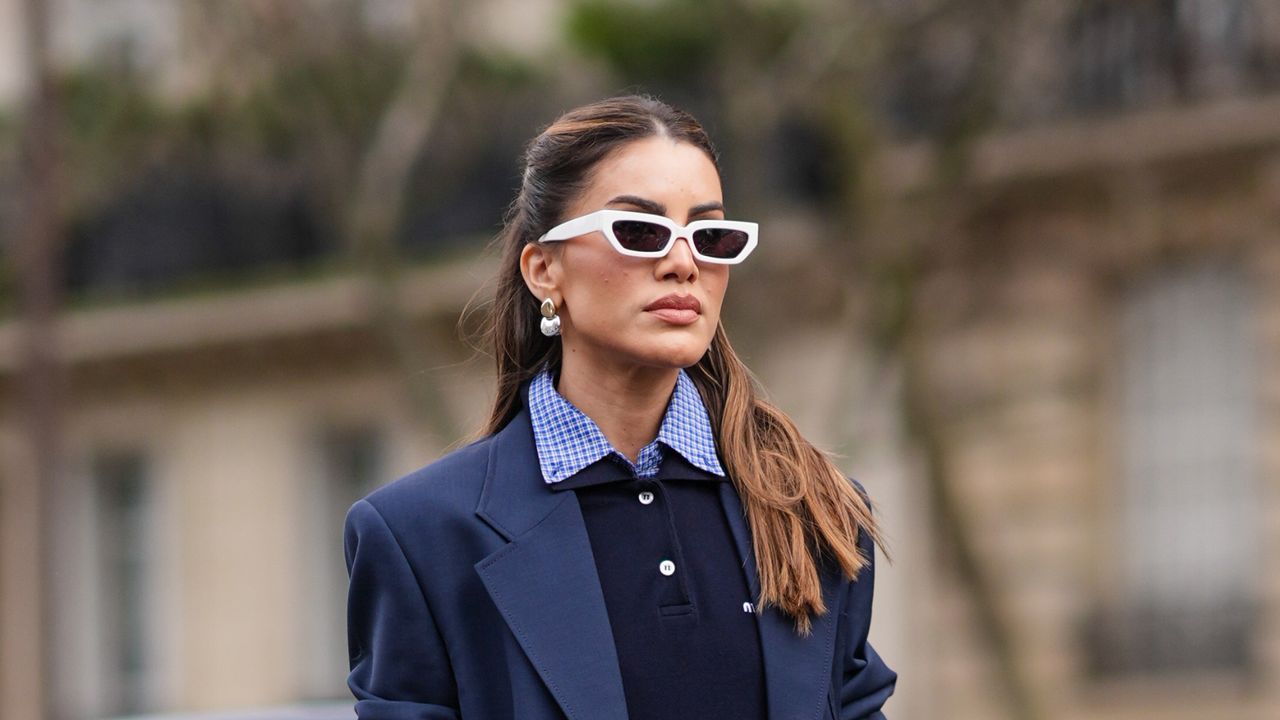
x=666 y=567
x=646 y=497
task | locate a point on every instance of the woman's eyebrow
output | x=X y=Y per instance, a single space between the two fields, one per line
x=644 y=204
x=657 y=208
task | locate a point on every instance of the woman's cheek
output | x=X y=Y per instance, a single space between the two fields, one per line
x=600 y=318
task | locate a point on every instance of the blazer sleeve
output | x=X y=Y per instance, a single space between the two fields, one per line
x=399 y=667
x=867 y=681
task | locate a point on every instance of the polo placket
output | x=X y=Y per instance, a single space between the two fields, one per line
x=673 y=582
x=688 y=647
x=677 y=600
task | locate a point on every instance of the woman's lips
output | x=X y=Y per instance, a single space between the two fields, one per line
x=676 y=309
x=676 y=316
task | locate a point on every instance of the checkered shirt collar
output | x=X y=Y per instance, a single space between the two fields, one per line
x=568 y=441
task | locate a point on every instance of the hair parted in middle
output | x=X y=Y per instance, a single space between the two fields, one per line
x=802 y=510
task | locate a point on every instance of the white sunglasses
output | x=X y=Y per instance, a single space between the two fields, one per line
x=638 y=234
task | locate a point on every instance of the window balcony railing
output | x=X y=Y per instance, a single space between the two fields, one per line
x=1162 y=639
x=1129 y=53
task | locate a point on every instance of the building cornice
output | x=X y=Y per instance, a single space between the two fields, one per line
x=1084 y=145
x=288 y=309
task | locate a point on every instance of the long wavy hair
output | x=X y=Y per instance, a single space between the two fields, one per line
x=803 y=511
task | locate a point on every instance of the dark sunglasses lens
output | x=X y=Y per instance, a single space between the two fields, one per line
x=720 y=242
x=641 y=236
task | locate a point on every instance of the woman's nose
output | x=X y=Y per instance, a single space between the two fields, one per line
x=679 y=262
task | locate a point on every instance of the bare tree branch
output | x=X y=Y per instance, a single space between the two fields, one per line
x=39 y=268
x=378 y=199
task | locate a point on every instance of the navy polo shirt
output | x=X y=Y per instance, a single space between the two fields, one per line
x=673 y=581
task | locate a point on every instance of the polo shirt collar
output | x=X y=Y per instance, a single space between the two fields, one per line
x=612 y=468
x=569 y=443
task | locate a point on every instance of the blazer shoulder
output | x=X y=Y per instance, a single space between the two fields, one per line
x=866 y=496
x=864 y=540
x=449 y=484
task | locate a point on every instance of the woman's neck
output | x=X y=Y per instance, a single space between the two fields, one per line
x=627 y=402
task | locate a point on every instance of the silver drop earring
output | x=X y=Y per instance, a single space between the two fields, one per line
x=550 y=320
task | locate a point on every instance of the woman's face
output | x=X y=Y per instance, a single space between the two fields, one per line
x=602 y=295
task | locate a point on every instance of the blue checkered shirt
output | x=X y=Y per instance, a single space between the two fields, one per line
x=568 y=441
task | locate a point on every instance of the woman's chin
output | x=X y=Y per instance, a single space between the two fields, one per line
x=669 y=347
x=678 y=355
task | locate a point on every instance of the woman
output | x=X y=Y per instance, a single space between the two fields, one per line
x=637 y=534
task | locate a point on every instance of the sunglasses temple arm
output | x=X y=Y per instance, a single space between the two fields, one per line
x=571 y=229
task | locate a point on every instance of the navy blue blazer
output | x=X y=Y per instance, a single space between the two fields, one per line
x=474 y=595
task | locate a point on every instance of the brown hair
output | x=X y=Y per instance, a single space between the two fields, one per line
x=801 y=508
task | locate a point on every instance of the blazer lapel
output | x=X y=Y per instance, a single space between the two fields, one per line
x=544 y=582
x=797 y=669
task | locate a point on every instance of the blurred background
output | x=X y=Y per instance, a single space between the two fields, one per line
x=1019 y=271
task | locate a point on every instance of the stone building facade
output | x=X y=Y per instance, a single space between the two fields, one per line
x=1103 y=350
x=1098 y=328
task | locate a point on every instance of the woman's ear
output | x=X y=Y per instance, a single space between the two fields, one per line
x=540 y=267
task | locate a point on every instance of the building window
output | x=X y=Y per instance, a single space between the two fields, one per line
x=1189 y=541
x=1126 y=53
x=125 y=36
x=352 y=462
x=122 y=502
